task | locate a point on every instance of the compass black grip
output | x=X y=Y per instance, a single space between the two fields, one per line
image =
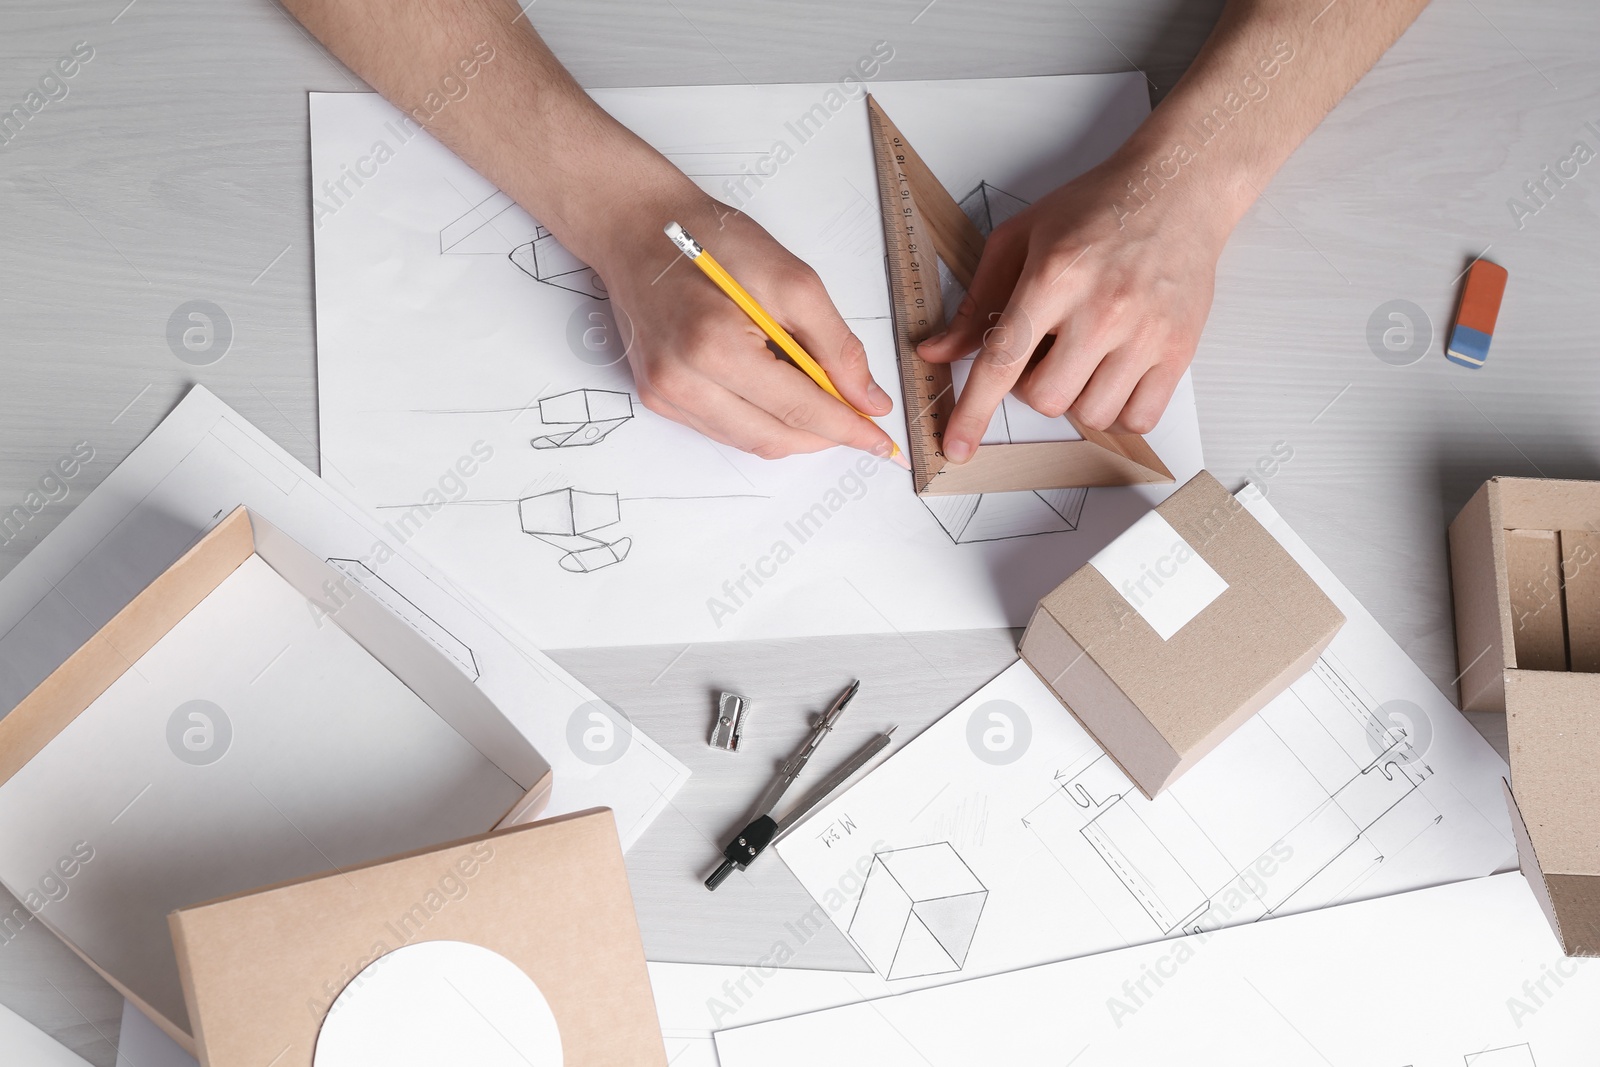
x=751 y=842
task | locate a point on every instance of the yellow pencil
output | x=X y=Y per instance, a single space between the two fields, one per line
x=768 y=325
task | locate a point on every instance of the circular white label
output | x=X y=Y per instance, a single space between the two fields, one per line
x=440 y=1002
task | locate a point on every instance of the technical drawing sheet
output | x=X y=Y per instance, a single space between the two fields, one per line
x=448 y=317
x=694 y=1000
x=204 y=460
x=1003 y=836
x=1463 y=975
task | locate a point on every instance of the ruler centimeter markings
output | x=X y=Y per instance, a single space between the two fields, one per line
x=913 y=269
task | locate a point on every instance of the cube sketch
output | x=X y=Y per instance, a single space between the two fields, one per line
x=591 y=413
x=498 y=227
x=918 y=911
x=1510 y=1056
x=544 y=259
x=997 y=516
x=567 y=519
x=492 y=228
x=988 y=206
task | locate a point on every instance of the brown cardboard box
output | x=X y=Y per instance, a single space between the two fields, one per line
x=260 y=970
x=1525 y=570
x=356 y=740
x=1179 y=631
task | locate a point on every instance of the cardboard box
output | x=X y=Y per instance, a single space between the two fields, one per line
x=261 y=970
x=251 y=716
x=1525 y=571
x=1179 y=631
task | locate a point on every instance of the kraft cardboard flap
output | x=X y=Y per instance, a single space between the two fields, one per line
x=261 y=969
x=1570 y=902
x=1553 y=727
x=1546 y=504
x=1580 y=574
x=1576 y=898
x=1484 y=638
x=1528 y=861
x=1538 y=617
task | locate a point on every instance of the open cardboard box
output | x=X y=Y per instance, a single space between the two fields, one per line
x=252 y=716
x=1525 y=571
x=316 y=971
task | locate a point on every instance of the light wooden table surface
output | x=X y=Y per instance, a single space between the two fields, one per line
x=177 y=168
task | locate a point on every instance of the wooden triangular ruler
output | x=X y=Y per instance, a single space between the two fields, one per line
x=922 y=224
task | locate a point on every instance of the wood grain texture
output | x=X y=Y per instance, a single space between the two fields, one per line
x=177 y=168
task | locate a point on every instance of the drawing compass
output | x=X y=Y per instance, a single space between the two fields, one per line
x=766 y=828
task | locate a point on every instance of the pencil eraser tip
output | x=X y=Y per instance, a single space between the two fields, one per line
x=672 y=230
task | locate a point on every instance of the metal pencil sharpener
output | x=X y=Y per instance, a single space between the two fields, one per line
x=728 y=730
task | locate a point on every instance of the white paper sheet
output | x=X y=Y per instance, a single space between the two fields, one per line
x=204 y=460
x=1005 y=837
x=695 y=1000
x=433 y=332
x=25 y=1045
x=1464 y=975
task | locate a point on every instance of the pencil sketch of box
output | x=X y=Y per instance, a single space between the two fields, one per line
x=918 y=911
x=568 y=519
x=498 y=226
x=544 y=259
x=582 y=417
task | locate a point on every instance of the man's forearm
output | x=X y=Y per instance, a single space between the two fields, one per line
x=521 y=121
x=1268 y=74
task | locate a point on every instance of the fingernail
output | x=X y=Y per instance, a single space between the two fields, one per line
x=879 y=398
x=931 y=341
x=957 y=451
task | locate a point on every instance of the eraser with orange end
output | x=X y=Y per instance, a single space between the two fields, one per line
x=1480 y=306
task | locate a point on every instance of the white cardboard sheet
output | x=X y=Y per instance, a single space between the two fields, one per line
x=444 y=318
x=1003 y=836
x=1463 y=975
x=202 y=462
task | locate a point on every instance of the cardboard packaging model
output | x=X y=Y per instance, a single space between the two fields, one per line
x=1525 y=572
x=250 y=717
x=1178 y=631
